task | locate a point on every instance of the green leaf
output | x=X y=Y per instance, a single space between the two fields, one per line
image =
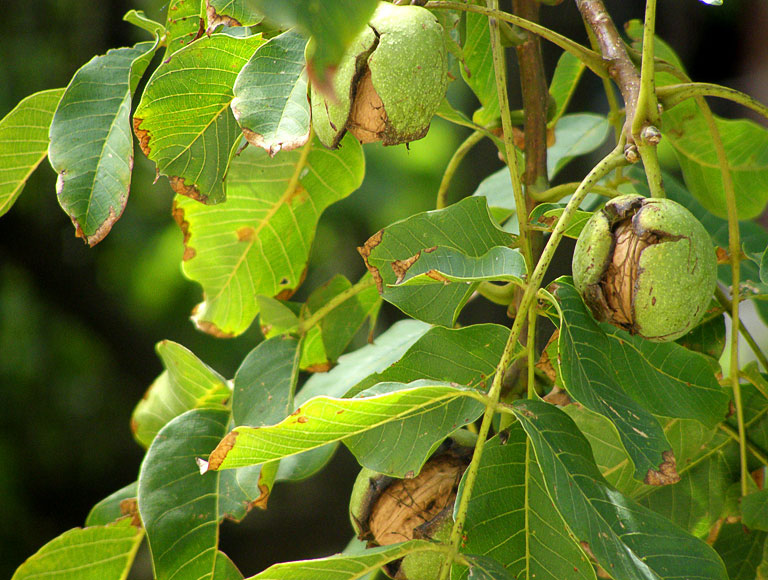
x=466 y=227
x=24 y=142
x=754 y=510
x=258 y=242
x=187 y=383
x=191 y=136
x=741 y=550
x=183 y=25
x=477 y=68
x=180 y=509
x=343 y=566
x=444 y=265
x=265 y=383
x=625 y=378
x=482 y=568
x=466 y=356
x=746 y=148
x=270 y=101
x=764 y=267
x=546 y=215
x=231 y=13
x=140 y=20
x=437 y=409
x=576 y=135
x=631 y=541
x=276 y=317
x=708 y=338
x=564 y=81
x=91 y=143
x=333 y=24
x=354 y=367
x=512 y=519
x=110 y=509
x=497 y=189
x=94 y=553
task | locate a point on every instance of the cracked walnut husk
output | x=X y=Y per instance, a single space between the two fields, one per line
x=646 y=265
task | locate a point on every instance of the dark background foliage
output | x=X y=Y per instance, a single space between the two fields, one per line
x=78 y=326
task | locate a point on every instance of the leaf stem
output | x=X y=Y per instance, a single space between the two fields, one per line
x=652 y=168
x=560 y=191
x=671 y=95
x=614 y=159
x=589 y=57
x=725 y=302
x=453 y=165
x=294 y=181
x=754 y=449
x=305 y=324
x=646 y=109
x=498 y=294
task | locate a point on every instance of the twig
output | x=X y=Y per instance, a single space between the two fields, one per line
x=671 y=95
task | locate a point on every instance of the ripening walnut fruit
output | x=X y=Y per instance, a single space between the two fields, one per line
x=646 y=265
x=389 y=83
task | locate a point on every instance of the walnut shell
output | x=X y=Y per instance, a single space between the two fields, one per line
x=646 y=265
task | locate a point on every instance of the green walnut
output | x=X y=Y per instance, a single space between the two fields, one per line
x=646 y=265
x=385 y=510
x=390 y=82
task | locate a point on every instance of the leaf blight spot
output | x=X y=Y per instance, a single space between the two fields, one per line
x=365 y=251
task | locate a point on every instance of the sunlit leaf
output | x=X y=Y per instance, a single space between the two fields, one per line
x=94 y=553
x=91 y=144
x=181 y=509
x=111 y=508
x=332 y=23
x=183 y=25
x=270 y=101
x=187 y=383
x=343 y=566
x=230 y=13
x=438 y=410
x=630 y=540
x=140 y=20
x=564 y=81
x=191 y=135
x=575 y=135
x=477 y=68
x=24 y=142
x=512 y=519
x=466 y=227
x=258 y=242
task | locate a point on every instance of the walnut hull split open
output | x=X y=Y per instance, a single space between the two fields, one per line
x=646 y=265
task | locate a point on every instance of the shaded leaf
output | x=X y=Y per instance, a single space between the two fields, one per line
x=754 y=510
x=477 y=68
x=258 y=242
x=333 y=24
x=354 y=367
x=187 y=383
x=482 y=568
x=91 y=144
x=444 y=265
x=707 y=338
x=180 y=509
x=277 y=317
x=110 y=508
x=343 y=566
x=24 y=142
x=437 y=409
x=576 y=135
x=497 y=189
x=741 y=550
x=270 y=101
x=546 y=216
x=191 y=136
x=512 y=519
x=94 y=553
x=466 y=227
x=625 y=378
x=628 y=539
x=764 y=267
x=230 y=13
x=564 y=81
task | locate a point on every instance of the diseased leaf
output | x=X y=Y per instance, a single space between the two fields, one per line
x=564 y=81
x=183 y=25
x=258 y=242
x=625 y=378
x=187 y=383
x=630 y=540
x=230 y=13
x=477 y=68
x=465 y=227
x=576 y=135
x=91 y=144
x=191 y=136
x=741 y=550
x=344 y=566
x=512 y=519
x=113 y=507
x=180 y=509
x=444 y=265
x=24 y=142
x=92 y=553
x=332 y=23
x=270 y=101
x=437 y=410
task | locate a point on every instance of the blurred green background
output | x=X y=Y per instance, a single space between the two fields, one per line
x=78 y=326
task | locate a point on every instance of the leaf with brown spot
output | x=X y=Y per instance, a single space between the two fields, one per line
x=91 y=147
x=192 y=141
x=183 y=25
x=272 y=260
x=667 y=472
x=365 y=251
x=230 y=13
